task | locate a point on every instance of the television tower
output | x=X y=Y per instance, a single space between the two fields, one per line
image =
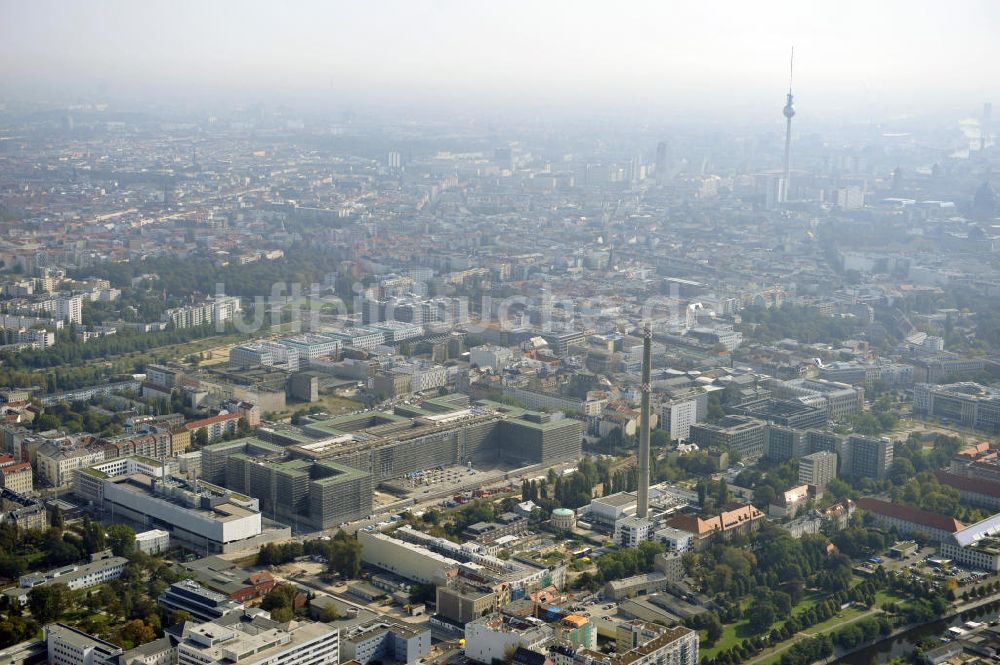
x=642 y=496
x=789 y=112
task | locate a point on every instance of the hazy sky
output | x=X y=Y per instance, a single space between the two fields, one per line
x=716 y=57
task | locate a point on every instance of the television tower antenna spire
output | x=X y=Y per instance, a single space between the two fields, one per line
x=788 y=112
x=791 y=70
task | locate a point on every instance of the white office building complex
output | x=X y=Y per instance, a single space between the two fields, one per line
x=265 y=354
x=260 y=641
x=153 y=541
x=362 y=339
x=69 y=646
x=495 y=358
x=200 y=515
x=310 y=347
x=838 y=399
x=102 y=569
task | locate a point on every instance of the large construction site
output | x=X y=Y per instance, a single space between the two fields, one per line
x=330 y=470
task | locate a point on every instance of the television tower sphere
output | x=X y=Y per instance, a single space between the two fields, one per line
x=789 y=110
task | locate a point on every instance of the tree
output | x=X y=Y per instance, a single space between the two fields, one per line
x=47 y=603
x=763 y=495
x=329 y=613
x=760 y=616
x=713 y=628
x=121 y=539
x=722 y=494
x=782 y=603
x=344 y=556
x=901 y=471
x=282 y=614
x=56 y=518
x=93 y=536
x=136 y=632
x=180 y=616
x=714 y=412
x=201 y=437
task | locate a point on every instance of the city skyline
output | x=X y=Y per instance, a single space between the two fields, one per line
x=674 y=59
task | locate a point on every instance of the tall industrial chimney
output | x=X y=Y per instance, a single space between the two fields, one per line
x=642 y=500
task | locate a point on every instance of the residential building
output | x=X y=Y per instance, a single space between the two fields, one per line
x=631 y=531
x=385 y=640
x=215 y=427
x=818 y=468
x=490 y=638
x=677 y=416
x=56 y=461
x=637 y=643
x=17 y=478
x=23 y=511
x=789 y=503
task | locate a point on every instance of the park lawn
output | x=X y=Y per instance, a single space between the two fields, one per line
x=733 y=633
x=809 y=600
x=883 y=597
x=834 y=621
x=729 y=639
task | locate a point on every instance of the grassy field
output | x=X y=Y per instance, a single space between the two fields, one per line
x=331 y=404
x=337 y=405
x=734 y=633
x=883 y=597
x=833 y=622
x=729 y=639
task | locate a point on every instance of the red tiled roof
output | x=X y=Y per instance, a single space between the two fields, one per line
x=261 y=577
x=962 y=483
x=205 y=422
x=910 y=514
x=14 y=468
x=726 y=520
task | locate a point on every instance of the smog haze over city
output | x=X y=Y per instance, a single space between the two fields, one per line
x=552 y=333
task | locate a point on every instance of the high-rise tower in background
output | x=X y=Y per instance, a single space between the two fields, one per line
x=789 y=113
x=984 y=126
x=661 y=162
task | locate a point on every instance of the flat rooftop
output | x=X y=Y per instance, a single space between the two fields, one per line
x=140 y=483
